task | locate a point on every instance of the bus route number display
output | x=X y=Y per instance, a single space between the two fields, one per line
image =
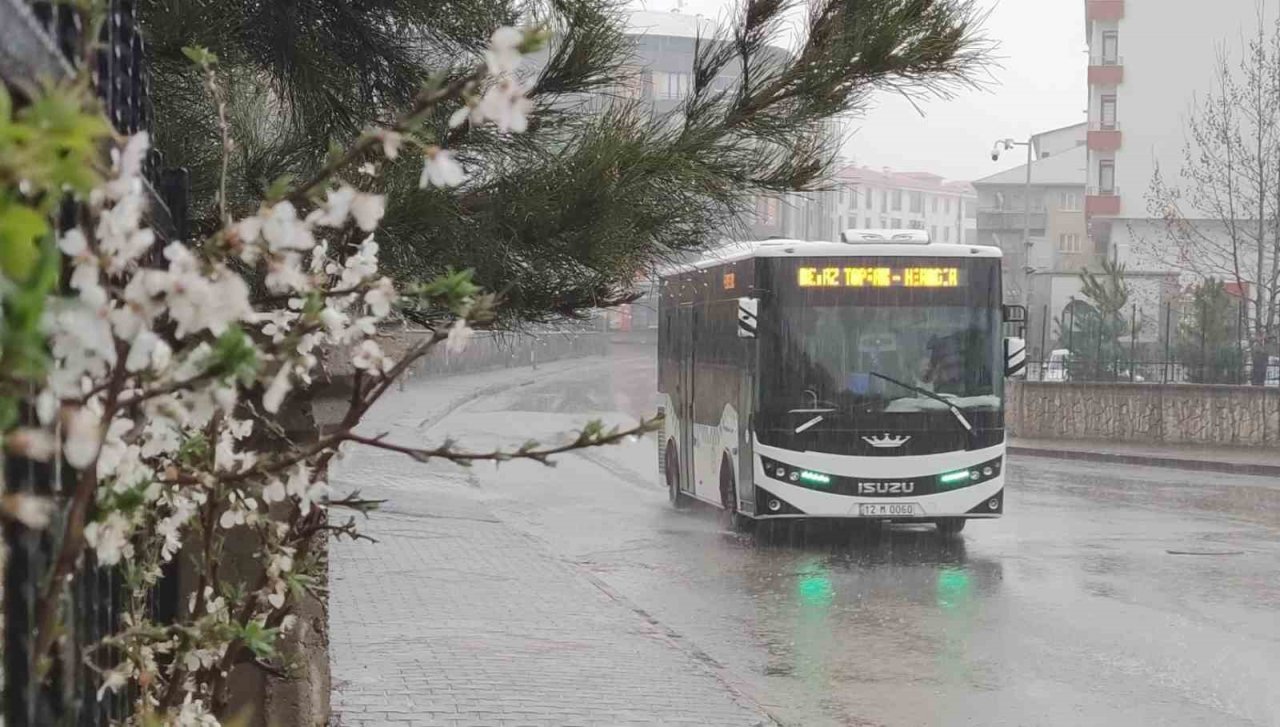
x=877 y=277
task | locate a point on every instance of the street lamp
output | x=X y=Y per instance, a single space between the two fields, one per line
x=1006 y=145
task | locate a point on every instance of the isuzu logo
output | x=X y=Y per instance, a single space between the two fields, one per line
x=886 y=488
x=886 y=441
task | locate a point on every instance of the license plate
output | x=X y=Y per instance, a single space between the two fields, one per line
x=896 y=509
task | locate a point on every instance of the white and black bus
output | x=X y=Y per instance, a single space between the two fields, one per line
x=853 y=379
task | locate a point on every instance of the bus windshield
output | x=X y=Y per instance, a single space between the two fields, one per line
x=838 y=359
x=856 y=356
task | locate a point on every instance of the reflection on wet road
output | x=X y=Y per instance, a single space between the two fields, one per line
x=1109 y=595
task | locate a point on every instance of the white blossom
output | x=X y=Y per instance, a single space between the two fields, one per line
x=148 y=351
x=459 y=336
x=83 y=434
x=369 y=357
x=367 y=210
x=73 y=243
x=441 y=170
x=506 y=105
x=274 y=492
x=503 y=55
x=277 y=390
x=36 y=444
x=380 y=297
x=308 y=493
x=391 y=143
x=112 y=681
x=284 y=231
x=127 y=164
x=33 y=512
x=109 y=538
x=46 y=407
x=285 y=274
x=195 y=714
x=460 y=115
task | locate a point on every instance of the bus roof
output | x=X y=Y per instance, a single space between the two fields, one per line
x=779 y=247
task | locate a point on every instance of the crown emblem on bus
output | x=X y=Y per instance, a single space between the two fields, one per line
x=886 y=441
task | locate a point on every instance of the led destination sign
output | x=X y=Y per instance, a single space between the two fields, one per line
x=877 y=277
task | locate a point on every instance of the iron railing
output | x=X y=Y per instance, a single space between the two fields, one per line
x=41 y=42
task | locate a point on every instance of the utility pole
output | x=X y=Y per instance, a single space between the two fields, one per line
x=1006 y=145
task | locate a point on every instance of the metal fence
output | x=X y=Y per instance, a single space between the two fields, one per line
x=1170 y=371
x=1148 y=347
x=41 y=41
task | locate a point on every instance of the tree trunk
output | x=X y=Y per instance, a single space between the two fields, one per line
x=1258 y=374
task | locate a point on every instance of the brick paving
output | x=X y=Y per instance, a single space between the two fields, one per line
x=455 y=618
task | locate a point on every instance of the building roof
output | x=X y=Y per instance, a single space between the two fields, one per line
x=1068 y=168
x=1078 y=126
x=924 y=181
x=679 y=25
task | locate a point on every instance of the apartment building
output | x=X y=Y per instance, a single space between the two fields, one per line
x=882 y=198
x=1148 y=60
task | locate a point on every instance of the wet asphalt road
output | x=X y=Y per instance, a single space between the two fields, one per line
x=1108 y=594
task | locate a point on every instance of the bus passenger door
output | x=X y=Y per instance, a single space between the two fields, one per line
x=746 y=463
x=684 y=396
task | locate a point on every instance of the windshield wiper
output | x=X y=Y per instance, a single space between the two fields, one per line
x=955 y=410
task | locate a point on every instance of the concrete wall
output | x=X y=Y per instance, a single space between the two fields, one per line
x=1172 y=413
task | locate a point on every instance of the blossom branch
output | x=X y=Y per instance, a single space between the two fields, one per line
x=592 y=435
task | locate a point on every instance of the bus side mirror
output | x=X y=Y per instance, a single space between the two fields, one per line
x=1015 y=357
x=747 y=312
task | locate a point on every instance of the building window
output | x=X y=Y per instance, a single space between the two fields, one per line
x=870 y=199
x=1069 y=202
x=1107 y=177
x=895 y=224
x=853 y=198
x=1110 y=47
x=1108 y=120
x=933 y=232
x=917 y=202
x=947 y=205
x=671 y=85
x=946 y=234
x=935 y=205
x=915 y=224
x=1069 y=242
x=897 y=200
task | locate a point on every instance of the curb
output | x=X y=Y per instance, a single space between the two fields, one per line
x=1235 y=468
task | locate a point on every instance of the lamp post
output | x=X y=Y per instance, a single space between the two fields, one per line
x=1006 y=145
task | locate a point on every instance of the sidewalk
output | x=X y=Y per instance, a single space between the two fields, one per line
x=456 y=618
x=1233 y=460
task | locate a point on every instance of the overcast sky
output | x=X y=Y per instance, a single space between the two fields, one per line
x=1040 y=85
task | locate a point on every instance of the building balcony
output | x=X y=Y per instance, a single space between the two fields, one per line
x=995 y=219
x=1106 y=71
x=1104 y=202
x=1103 y=10
x=1104 y=139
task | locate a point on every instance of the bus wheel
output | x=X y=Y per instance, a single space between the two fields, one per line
x=729 y=498
x=673 y=477
x=951 y=525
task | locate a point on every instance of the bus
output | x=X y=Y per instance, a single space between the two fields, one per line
x=855 y=379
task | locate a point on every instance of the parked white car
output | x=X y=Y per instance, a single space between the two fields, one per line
x=1055 y=369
